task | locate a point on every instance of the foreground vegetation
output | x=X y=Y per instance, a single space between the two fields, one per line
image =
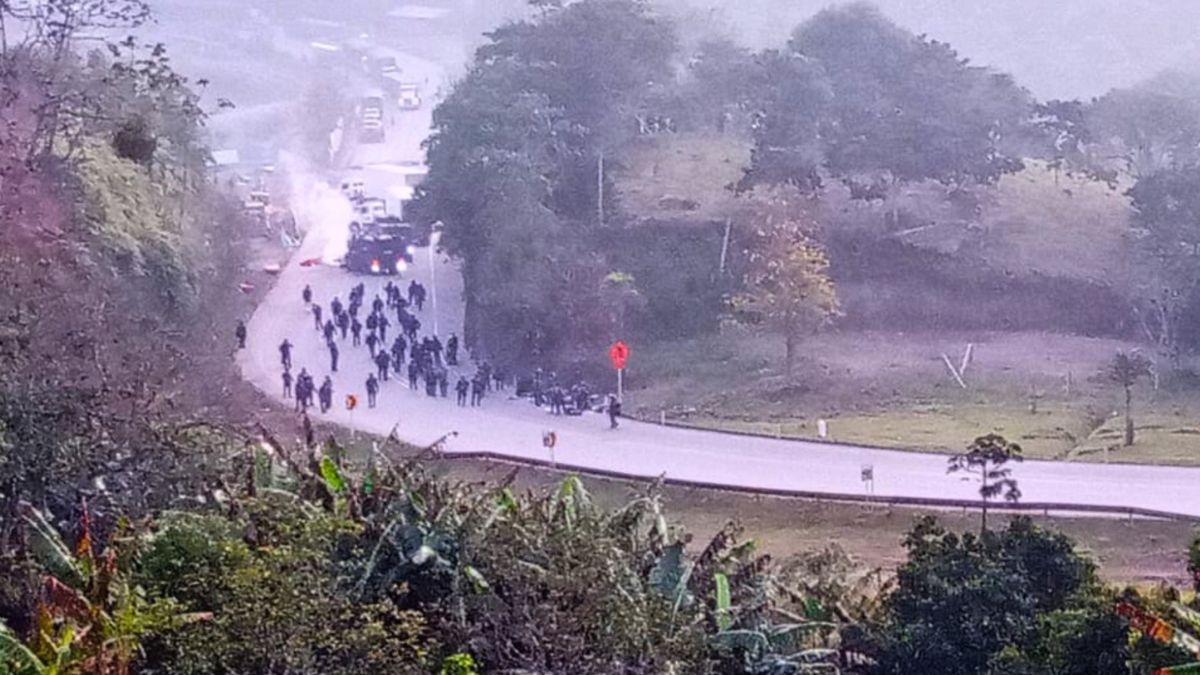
x=284 y=560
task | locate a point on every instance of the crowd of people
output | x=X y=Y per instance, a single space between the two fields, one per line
x=404 y=354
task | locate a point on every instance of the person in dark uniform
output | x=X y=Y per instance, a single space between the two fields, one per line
x=498 y=378
x=382 y=324
x=452 y=350
x=333 y=356
x=399 y=349
x=307 y=295
x=477 y=389
x=372 y=390
x=614 y=410
x=371 y=342
x=412 y=291
x=240 y=334
x=460 y=388
x=443 y=383
x=287 y=384
x=316 y=310
x=285 y=354
x=377 y=305
x=328 y=330
x=382 y=363
x=435 y=348
x=356 y=331
x=413 y=374
x=372 y=321
x=303 y=383
x=343 y=323
x=326 y=394
x=335 y=306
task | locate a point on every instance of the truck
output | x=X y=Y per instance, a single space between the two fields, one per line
x=409 y=96
x=382 y=247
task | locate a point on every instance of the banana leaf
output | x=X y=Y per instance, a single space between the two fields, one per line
x=723 y=602
x=49 y=549
x=332 y=475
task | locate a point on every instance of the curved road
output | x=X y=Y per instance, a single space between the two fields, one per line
x=514 y=428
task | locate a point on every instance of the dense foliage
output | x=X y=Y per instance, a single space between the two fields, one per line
x=297 y=565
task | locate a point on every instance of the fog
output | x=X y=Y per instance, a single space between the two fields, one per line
x=1059 y=49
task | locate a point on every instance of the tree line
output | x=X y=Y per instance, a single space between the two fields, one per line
x=524 y=149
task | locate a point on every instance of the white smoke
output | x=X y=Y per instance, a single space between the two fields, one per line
x=321 y=210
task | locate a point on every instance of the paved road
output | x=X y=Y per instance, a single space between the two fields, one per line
x=514 y=428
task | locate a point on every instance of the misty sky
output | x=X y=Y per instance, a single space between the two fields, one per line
x=1056 y=48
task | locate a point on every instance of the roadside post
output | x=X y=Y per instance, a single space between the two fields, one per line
x=549 y=440
x=351 y=404
x=434 y=238
x=868 y=479
x=618 y=353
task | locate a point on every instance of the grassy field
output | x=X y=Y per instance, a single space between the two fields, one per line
x=1046 y=391
x=659 y=174
x=1039 y=221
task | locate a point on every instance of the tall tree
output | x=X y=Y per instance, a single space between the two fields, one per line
x=1166 y=250
x=787 y=282
x=792 y=100
x=1126 y=369
x=515 y=157
x=987 y=457
x=908 y=108
x=1147 y=130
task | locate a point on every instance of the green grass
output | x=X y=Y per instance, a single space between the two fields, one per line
x=1056 y=225
x=893 y=390
x=1158 y=439
x=693 y=167
x=935 y=428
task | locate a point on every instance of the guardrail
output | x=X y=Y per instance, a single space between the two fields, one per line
x=931 y=502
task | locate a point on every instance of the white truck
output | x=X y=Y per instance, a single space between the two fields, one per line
x=409 y=97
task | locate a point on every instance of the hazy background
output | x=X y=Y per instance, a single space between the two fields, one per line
x=1056 y=48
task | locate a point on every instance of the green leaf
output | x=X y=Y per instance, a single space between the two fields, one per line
x=723 y=602
x=49 y=548
x=14 y=653
x=479 y=583
x=332 y=475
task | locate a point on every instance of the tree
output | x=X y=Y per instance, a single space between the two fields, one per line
x=792 y=98
x=1126 y=369
x=787 y=282
x=907 y=108
x=987 y=457
x=1020 y=600
x=1151 y=131
x=620 y=297
x=1166 y=250
x=513 y=165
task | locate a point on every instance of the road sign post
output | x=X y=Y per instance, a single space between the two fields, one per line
x=351 y=404
x=618 y=353
x=868 y=479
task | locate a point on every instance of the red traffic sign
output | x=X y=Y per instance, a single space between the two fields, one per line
x=619 y=354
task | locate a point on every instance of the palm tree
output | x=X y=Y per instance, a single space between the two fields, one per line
x=1126 y=369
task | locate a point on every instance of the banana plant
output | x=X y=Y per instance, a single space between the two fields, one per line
x=90 y=619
